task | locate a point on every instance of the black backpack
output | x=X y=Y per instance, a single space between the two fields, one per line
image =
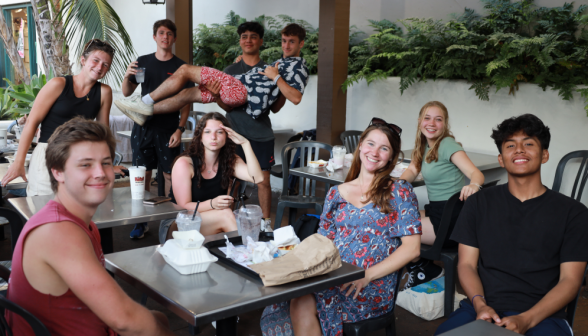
x=306 y=225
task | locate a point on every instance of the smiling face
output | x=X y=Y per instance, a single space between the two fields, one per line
x=97 y=64
x=213 y=136
x=164 y=38
x=291 y=46
x=432 y=124
x=250 y=42
x=375 y=151
x=522 y=155
x=87 y=176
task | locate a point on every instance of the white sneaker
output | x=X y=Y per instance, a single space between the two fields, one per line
x=266 y=225
x=136 y=117
x=135 y=104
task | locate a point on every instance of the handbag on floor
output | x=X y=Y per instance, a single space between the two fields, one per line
x=426 y=300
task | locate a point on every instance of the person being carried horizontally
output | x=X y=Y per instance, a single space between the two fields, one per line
x=444 y=165
x=205 y=171
x=375 y=224
x=58 y=270
x=259 y=88
x=522 y=246
x=60 y=100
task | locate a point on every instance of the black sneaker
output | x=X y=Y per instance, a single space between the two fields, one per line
x=421 y=272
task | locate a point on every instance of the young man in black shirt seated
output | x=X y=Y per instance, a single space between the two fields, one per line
x=522 y=251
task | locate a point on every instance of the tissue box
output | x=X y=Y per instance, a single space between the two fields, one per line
x=186 y=261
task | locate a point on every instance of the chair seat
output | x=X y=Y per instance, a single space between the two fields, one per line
x=369 y=325
x=302 y=199
x=277 y=171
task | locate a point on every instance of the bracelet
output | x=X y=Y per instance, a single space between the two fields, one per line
x=211 y=204
x=483 y=298
x=477 y=185
x=276 y=78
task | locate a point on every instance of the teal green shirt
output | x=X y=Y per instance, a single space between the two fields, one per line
x=442 y=177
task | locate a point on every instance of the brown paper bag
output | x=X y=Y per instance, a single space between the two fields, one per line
x=316 y=255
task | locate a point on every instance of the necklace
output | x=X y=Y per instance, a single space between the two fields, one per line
x=361 y=186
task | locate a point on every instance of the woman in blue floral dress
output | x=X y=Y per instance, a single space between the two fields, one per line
x=375 y=224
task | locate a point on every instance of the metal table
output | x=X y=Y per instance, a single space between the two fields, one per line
x=482 y=161
x=480 y=328
x=17 y=183
x=220 y=294
x=118 y=209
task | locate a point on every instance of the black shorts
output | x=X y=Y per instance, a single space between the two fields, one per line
x=434 y=210
x=264 y=152
x=151 y=146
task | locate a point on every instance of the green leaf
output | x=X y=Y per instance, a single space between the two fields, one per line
x=22 y=96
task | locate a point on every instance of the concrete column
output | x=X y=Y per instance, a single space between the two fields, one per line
x=332 y=69
x=180 y=12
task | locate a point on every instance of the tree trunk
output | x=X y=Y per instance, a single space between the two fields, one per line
x=61 y=62
x=45 y=31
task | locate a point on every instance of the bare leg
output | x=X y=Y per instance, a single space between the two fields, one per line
x=167 y=187
x=148 y=179
x=217 y=221
x=264 y=192
x=175 y=103
x=176 y=82
x=304 y=316
x=428 y=237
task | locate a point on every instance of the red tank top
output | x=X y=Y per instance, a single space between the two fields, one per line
x=62 y=315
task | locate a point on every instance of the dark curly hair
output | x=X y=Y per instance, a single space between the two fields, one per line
x=226 y=158
x=528 y=123
x=252 y=27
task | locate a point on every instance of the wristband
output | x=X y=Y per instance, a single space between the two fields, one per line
x=483 y=298
x=276 y=79
x=479 y=188
x=211 y=204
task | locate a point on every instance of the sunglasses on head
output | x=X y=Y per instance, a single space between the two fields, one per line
x=99 y=43
x=395 y=128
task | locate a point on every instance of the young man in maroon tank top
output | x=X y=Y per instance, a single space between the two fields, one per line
x=58 y=266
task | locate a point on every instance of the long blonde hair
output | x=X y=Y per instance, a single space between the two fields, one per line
x=421 y=141
x=379 y=190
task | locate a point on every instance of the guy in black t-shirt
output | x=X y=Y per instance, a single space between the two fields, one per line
x=522 y=251
x=157 y=139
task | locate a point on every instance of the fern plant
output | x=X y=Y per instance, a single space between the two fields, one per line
x=515 y=42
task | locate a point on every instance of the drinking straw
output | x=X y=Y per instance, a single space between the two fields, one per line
x=194 y=215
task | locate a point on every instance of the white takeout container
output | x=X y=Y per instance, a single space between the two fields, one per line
x=317 y=164
x=189 y=239
x=186 y=261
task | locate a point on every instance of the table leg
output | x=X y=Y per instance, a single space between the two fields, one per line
x=227 y=327
x=106 y=239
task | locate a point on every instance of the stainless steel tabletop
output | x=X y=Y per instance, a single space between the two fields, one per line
x=216 y=294
x=480 y=328
x=17 y=183
x=118 y=208
x=482 y=161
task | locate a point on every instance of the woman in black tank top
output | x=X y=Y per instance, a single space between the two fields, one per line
x=205 y=171
x=62 y=99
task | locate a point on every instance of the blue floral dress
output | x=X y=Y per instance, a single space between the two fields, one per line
x=364 y=236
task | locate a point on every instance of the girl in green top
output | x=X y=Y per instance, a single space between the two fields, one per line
x=444 y=166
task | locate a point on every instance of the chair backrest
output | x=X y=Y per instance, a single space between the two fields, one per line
x=304 y=151
x=581 y=176
x=350 y=139
x=16 y=224
x=38 y=328
x=571 y=307
x=192 y=121
x=117 y=158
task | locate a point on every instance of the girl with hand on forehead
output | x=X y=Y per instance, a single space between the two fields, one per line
x=444 y=165
x=60 y=100
x=375 y=224
x=205 y=171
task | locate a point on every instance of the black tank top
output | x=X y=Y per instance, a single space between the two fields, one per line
x=68 y=106
x=209 y=189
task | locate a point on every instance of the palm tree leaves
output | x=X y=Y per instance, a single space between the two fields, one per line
x=88 y=19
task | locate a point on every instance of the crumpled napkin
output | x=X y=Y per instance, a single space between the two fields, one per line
x=332 y=167
x=255 y=252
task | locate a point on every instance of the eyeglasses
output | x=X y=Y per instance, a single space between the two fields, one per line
x=395 y=128
x=100 y=43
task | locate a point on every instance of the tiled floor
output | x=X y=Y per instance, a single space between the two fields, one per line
x=406 y=323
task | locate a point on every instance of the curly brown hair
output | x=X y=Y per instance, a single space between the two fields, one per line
x=227 y=157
